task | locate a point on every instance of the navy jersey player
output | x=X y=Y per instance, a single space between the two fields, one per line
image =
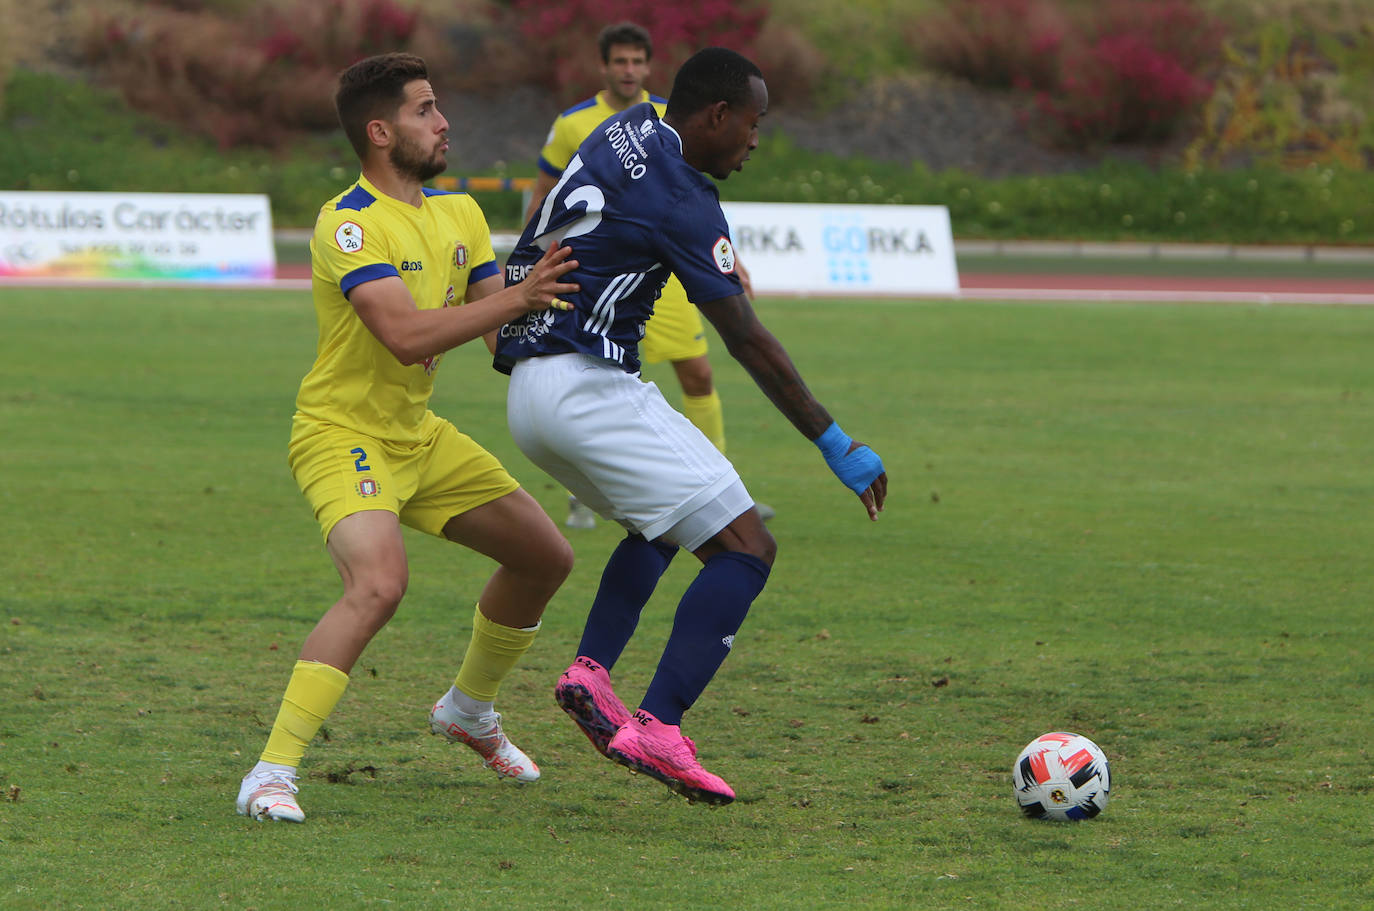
x=638 y=212
x=635 y=205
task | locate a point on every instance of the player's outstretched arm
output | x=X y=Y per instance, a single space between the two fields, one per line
x=542 y=185
x=763 y=356
x=411 y=334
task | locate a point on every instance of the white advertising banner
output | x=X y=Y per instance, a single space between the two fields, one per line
x=211 y=237
x=801 y=249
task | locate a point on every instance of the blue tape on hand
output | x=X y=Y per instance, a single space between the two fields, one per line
x=857 y=470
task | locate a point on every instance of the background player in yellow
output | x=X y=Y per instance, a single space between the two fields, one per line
x=401 y=274
x=675 y=332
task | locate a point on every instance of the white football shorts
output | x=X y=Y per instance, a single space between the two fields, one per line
x=621 y=449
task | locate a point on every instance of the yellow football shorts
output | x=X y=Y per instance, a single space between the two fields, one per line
x=425 y=484
x=674 y=332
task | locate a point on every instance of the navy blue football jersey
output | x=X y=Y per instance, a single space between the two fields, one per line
x=633 y=211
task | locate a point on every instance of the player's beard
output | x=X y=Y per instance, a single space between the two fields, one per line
x=409 y=158
x=619 y=91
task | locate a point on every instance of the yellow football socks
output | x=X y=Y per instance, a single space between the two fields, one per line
x=311 y=694
x=492 y=652
x=706 y=413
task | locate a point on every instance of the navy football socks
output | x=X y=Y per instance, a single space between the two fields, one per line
x=709 y=615
x=628 y=580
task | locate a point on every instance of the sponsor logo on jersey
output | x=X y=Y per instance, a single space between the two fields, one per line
x=529 y=329
x=412 y=265
x=367 y=487
x=460 y=255
x=724 y=255
x=349 y=237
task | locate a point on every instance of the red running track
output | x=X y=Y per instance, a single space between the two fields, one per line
x=1043 y=286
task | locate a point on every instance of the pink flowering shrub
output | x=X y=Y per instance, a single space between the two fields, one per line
x=257 y=79
x=564 y=35
x=1111 y=71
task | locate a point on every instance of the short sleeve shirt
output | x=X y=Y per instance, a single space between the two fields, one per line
x=576 y=124
x=363 y=235
x=633 y=211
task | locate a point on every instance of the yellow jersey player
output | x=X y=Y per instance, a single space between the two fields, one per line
x=402 y=274
x=675 y=333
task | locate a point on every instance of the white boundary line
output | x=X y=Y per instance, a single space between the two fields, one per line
x=1109 y=295
x=270 y=284
x=1105 y=295
x=1173 y=297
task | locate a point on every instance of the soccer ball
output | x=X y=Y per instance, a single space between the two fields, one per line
x=1061 y=776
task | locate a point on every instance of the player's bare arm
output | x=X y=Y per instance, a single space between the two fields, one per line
x=762 y=355
x=411 y=334
x=542 y=185
x=764 y=358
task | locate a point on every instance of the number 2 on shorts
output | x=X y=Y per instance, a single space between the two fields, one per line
x=361 y=462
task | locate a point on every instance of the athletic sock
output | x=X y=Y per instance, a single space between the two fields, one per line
x=492 y=651
x=706 y=412
x=311 y=694
x=461 y=701
x=709 y=615
x=628 y=580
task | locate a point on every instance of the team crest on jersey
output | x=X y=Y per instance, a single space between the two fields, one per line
x=460 y=255
x=724 y=255
x=349 y=237
x=367 y=487
x=646 y=128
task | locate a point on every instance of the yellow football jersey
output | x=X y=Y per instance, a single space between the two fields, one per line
x=576 y=124
x=362 y=235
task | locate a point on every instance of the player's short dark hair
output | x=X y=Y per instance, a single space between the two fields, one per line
x=710 y=75
x=373 y=89
x=624 y=33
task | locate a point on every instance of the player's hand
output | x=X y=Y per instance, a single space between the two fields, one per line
x=875 y=495
x=857 y=466
x=543 y=287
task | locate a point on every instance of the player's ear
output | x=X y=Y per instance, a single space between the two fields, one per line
x=717 y=113
x=379 y=133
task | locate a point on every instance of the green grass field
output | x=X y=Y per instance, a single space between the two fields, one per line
x=1147 y=524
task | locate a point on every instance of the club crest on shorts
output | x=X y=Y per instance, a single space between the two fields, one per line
x=367 y=487
x=460 y=255
x=349 y=237
x=724 y=255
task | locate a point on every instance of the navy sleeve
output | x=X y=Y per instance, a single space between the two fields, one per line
x=695 y=243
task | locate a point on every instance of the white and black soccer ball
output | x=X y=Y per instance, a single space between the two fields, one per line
x=1061 y=776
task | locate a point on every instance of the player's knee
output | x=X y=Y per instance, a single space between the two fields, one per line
x=769 y=552
x=559 y=561
x=378 y=596
x=694 y=376
x=547 y=562
x=761 y=544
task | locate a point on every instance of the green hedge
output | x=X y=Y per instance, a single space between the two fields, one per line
x=63 y=135
x=1112 y=202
